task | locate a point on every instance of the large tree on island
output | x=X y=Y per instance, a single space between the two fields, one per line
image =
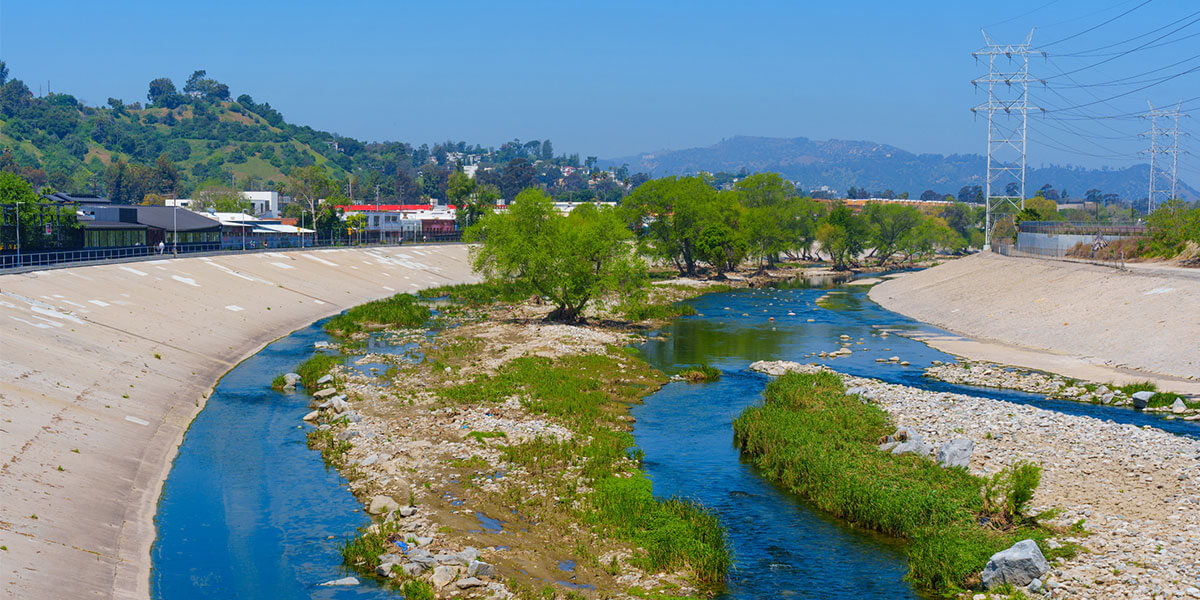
x=572 y=259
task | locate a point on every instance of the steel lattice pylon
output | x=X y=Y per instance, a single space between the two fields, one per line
x=1007 y=109
x=1158 y=145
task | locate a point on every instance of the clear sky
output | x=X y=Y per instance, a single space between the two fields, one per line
x=618 y=78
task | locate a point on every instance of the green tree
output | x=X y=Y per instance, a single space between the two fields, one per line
x=889 y=224
x=671 y=213
x=162 y=93
x=307 y=185
x=771 y=206
x=1172 y=225
x=843 y=236
x=17 y=197
x=220 y=198
x=572 y=260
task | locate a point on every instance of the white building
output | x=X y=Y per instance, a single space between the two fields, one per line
x=266 y=203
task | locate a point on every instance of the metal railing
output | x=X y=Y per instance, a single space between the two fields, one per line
x=26 y=261
x=1114 y=260
x=1081 y=228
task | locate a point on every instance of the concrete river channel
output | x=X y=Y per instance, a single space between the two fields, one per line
x=250 y=512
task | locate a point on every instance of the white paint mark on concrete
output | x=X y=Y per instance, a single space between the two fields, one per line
x=52 y=323
x=318 y=302
x=59 y=296
x=7 y=304
x=187 y=280
x=283 y=265
x=50 y=312
x=1159 y=290
x=136 y=420
x=320 y=260
x=38 y=325
x=99 y=303
x=75 y=304
x=134 y=271
x=234 y=308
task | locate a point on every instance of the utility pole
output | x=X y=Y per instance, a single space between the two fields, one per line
x=1163 y=140
x=1007 y=109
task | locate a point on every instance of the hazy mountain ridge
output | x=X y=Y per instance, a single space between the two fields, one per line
x=841 y=164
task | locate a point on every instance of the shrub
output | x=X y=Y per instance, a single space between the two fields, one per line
x=477 y=294
x=316 y=367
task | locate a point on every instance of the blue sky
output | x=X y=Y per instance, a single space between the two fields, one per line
x=613 y=78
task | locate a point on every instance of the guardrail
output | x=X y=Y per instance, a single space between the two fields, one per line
x=29 y=261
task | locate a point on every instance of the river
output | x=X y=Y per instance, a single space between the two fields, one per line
x=249 y=512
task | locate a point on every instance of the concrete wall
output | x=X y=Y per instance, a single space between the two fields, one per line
x=1145 y=319
x=114 y=361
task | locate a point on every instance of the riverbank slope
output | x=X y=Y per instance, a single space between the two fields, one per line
x=102 y=369
x=1085 y=321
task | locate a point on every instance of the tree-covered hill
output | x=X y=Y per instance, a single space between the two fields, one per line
x=196 y=136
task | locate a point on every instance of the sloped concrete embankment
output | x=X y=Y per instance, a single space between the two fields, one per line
x=102 y=369
x=1080 y=320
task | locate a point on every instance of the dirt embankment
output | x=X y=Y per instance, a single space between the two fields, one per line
x=102 y=369
x=1085 y=321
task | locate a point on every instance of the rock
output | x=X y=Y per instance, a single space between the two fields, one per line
x=324 y=393
x=389 y=557
x=446 y=558
x=480 y=569
x=1178 y=406
x=956 y=453
x=443 y=575
x=342 y=581
x=887 y=446
x=1107 y=398
x=312 y=416
x=893 y=359
x=468 y=583
x=1035 y=586
x=339 y=405
x=326 y=378
x=408 y=511
x=1140 y=399
x=382 y=504
x=1102 y=390
x=424 y=541
x=370 y=460
x=413 y=569
x=858 y=390
x=385 y=569
x=904 y=363
x=351 y=416
x=468 y=555
x=1017 y=566
x=914 y=446
x=346 y=435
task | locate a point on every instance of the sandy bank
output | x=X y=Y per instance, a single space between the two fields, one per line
x=1084 y=321
x=102 y=369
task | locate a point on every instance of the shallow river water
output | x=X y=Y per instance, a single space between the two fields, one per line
x=249 y=512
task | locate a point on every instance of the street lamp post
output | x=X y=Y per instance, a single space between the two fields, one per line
x=175 y=230
x=18 y=204
x=243 y=230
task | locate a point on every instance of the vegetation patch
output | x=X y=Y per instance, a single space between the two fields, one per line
x=820 y=443
x=589 y=394
x=637 y=312
x=479 y=294
x=315 y=368
x=698 y=373
x=278 y=383
x=400 y=311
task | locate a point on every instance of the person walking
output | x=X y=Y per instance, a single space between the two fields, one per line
x=161 y=247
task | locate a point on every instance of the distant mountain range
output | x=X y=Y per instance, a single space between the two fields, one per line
x=840 y=164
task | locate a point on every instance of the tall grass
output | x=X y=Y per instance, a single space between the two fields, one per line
x=816 y=441
x=477 y=294
x=698 y=373
x=651 y=311
x=316 y=367
x=401 y=310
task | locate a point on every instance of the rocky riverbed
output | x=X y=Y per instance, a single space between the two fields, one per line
x=1049 y=384
x=456 y=503
x=1135 y=490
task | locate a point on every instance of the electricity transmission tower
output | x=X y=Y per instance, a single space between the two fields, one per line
x=1007 y=109
x=1163 y=140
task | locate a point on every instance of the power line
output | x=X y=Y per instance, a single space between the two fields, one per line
x=1126 y=52
x=1085 y=53
x=1144 y=87
x=1022 y=15
x=1093 y=28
